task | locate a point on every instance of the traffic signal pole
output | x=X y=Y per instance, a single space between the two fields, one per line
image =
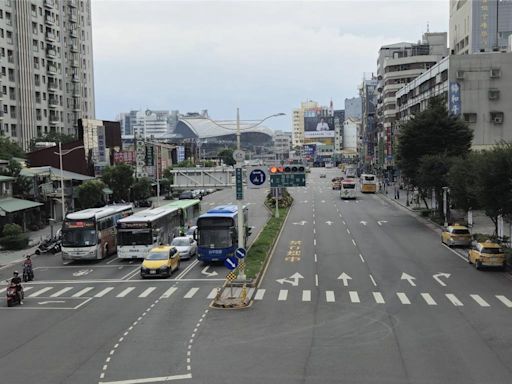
x=240 y=205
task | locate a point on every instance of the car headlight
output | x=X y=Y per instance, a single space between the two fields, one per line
x=164 y=267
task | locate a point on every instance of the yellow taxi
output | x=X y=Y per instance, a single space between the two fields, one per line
x=160 y=261
x=456 y=235
x=487 y=254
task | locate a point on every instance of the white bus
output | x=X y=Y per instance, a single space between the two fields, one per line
x=137 y=234
x=91 y=234
x=348 y=189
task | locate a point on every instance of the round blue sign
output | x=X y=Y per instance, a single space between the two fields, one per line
x=240 y=253
x=257 y=177
x=231 y=263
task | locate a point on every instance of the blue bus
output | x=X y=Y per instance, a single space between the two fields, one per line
x=217 y=233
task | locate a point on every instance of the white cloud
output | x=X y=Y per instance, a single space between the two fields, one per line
x=265 y=57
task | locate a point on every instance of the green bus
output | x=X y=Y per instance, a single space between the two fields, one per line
x=189 y=212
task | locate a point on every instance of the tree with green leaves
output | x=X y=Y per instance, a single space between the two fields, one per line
x=52 y=137
x=9 y=149
x=226 y=155
x=432 y=174
x=120 y=179
x=90 y=194
x=462 y=181
x=141 y=189
x=431 y=132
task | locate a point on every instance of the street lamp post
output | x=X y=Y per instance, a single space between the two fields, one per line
x=445 y=205
x=62 y=175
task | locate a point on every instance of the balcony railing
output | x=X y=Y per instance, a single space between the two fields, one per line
x=49 y=20
x=51 y=53
x=52 y=69
x=50 y=36
x=49 y=3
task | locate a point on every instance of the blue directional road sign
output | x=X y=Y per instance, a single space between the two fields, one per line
x=231 y=263
x=257 y=178
x=241 y=253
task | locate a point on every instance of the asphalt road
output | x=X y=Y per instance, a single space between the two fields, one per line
x=356 y=292
x=85 y=322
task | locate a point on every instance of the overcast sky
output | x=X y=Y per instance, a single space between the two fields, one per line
x=264 y=57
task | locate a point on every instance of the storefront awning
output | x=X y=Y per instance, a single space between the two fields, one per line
x=12 y=204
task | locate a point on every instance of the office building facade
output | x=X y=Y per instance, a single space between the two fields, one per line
x=46 y=67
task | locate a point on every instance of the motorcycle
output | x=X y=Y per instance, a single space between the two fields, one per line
x=49 y=245
x=12 y=295
x=28 y=273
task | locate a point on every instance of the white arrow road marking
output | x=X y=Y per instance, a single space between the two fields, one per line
x=50 y=302
x=409 y=278
x=204 y=271
x=441 y=274
x=82 y=272
x=381 y=222
x=345 y=279
x=294 y=279
x=363 y=222
x=328 y=223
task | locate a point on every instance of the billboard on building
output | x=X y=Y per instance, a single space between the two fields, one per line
x=180 y=150
x=317 y=124
x=309 y=151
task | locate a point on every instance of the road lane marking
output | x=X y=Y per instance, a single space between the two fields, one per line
x=83 y=291
x=344 y=222
x=259 y=294
x=348 y=231
x=361 y=257
x=428 y=299
x=378 y=298
x=329 y=296
x=283 y=295
x=354 y=297
x=403 y=298
x=480 y=301
x=40 y=292
x=191 y=293
x=504 y=300
x=373 y=280
x=212 y=294
x=316 y=279
x=150 y=379
x=306 y=295
x=316 y=260
x=104 y=292
x=314 y=231
x=62 y=291
x=353 y=242
x=454 y=300
x=147 y=292
x=169 y=292
x=314 y=242
x=26 y=288
x=125 y=292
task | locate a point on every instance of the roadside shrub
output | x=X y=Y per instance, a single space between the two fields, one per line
x=13 y=237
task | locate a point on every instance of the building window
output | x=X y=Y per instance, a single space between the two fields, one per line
x=9 y=37
x=497 y=117
x=37 y=80
x=13 y=130
x=12 y=93
x=11 y=74
x=494 y=94
x=12 y=111
x=470 y=117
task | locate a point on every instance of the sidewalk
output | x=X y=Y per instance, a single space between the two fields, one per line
x=481 y=223
x=10 y=257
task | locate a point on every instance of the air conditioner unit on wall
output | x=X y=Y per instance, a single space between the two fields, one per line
x=459 y=75
x=495 y=73
x=494 y=94
x=497 y=120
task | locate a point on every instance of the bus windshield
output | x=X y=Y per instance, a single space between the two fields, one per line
x=134 y=238
x=215 y=238
x=348 y=186
x=79 y=237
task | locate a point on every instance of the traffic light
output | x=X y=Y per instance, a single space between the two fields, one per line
x=287 y=169
x=287 y=176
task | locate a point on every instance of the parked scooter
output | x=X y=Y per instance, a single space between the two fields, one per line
x=49 y=245
x=12 y=295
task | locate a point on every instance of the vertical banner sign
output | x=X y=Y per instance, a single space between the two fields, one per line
x=102 y=158
x=180 y=153
x=140 y=159
x=150 y=155
x=454 y=101
x=239 y=184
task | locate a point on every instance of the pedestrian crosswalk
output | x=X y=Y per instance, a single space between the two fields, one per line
x=283 y=296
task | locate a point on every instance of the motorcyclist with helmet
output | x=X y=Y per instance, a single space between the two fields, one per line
x=16 y=281
x=28 y=273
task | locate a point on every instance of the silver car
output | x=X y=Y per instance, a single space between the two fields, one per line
x=186 y=246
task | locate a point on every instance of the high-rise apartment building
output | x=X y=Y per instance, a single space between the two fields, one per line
x=368 y=95
x=479 y=26
x=298 y=122
x=46 y=64
x=397 y=65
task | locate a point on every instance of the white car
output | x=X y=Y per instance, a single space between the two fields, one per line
x=186 y=246
x=191 y=232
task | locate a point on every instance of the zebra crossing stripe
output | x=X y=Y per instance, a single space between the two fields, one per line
x=354 y=297
x=104 y=292
x=213 y=293
x=283 y=295
x=125 y=292
x=480 y=301
x=62 y=291
x=40 y=292
x=378 y=298
x=147 y=292
x=454 y=300
x=191 y=292
x=504 y=300
x=403 y=298
x=259 y=294
x=169 y=292
x=429 y=300
x=83 y=291
x=306 y=295
x=329 y=296
x=26 y=288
